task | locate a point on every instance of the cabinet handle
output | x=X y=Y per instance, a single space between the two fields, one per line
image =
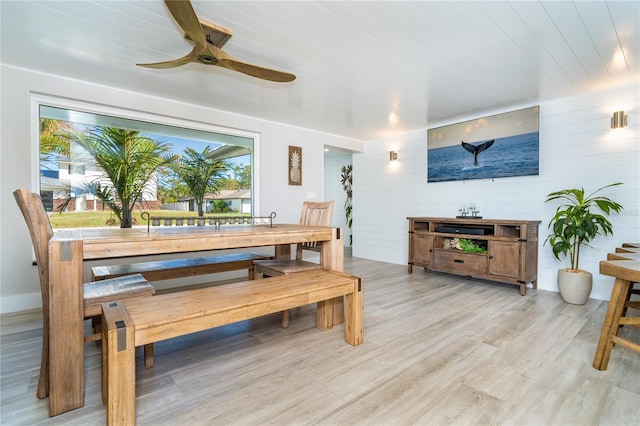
x=430 y=250
x=458 y=260
x=490 y=257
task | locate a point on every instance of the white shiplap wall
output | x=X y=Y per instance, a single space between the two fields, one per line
x=577 y=148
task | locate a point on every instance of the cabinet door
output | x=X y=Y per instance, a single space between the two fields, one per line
x=421 y=249
x=504 y=258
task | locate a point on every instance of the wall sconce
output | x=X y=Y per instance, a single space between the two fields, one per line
x=618 y=120
x=393 y=155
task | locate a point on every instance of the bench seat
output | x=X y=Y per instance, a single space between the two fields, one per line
x=133 y=323
x=181 y=268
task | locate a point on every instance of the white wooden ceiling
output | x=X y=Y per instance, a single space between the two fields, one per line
x=364 y=69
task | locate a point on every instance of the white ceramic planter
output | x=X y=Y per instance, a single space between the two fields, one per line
x=575 y=287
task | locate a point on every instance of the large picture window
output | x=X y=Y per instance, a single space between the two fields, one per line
x=92 y=167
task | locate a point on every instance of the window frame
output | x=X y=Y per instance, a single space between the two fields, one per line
x=75 y=105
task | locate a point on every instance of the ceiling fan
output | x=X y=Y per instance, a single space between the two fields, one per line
x=207 y=46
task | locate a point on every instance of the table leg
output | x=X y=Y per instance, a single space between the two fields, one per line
x=333 y=258
x=66 y=326
x=282 y=251
x=611 y=323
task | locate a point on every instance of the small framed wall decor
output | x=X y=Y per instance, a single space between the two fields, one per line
x=295 y=165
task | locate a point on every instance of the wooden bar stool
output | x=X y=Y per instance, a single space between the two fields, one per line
x=627 y=249
x=626 y=272
x=635 y=287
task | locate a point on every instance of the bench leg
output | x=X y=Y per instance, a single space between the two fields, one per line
x=354 y=321
x=119 y=365
x=324 y=315
x=148 y=356
x=338 y=310
x=284 y=315
x=284 y=319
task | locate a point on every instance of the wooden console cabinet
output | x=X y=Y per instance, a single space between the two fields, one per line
x=511 y=248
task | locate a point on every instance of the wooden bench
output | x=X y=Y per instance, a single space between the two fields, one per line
x=181 y=268
x=132 y=323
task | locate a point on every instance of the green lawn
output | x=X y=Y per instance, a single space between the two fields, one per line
x=100 y=218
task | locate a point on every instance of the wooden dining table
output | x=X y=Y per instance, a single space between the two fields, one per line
x=69 y=249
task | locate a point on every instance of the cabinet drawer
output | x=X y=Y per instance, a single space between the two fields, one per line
x=460 y=262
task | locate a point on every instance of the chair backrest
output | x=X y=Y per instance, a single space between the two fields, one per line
x=317 y=213
x=41 y=232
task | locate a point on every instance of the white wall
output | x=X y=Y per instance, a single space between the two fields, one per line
x=19 y=287
x=577 y=148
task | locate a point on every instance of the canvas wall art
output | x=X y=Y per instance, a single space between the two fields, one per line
x=501 y=145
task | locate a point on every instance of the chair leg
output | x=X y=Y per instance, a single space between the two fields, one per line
x=43 y=380
x=96 y=323
x=149 y=360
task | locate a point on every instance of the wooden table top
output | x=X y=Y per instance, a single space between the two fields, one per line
x=103 y=243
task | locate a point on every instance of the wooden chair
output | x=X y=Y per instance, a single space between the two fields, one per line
x=313 y=213
x=94 y=293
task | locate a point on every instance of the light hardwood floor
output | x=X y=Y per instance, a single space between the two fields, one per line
x=438 y=349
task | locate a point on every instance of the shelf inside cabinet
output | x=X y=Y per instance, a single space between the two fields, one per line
x=507 y=231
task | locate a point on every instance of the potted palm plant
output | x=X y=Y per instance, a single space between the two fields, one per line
x=577 y=221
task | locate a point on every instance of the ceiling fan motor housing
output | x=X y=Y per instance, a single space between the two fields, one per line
x=207 y=59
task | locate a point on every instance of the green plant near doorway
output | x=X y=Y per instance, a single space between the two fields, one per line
x=347 y=181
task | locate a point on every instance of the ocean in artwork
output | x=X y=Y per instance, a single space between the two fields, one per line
x=510 y=156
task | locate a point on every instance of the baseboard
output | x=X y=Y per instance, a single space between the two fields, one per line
x=20 y=302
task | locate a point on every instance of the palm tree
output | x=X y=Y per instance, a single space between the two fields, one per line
x=201 y=174
x=130 y=162
x=52 y=140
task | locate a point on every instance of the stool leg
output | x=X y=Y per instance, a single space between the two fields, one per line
x=611 y=323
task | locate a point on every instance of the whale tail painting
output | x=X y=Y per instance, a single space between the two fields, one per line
x=477 y=149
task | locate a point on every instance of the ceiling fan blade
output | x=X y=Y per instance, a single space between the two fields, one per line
x=255 y=70
x=191 y=57
x=208 y=53
x=186 y=17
